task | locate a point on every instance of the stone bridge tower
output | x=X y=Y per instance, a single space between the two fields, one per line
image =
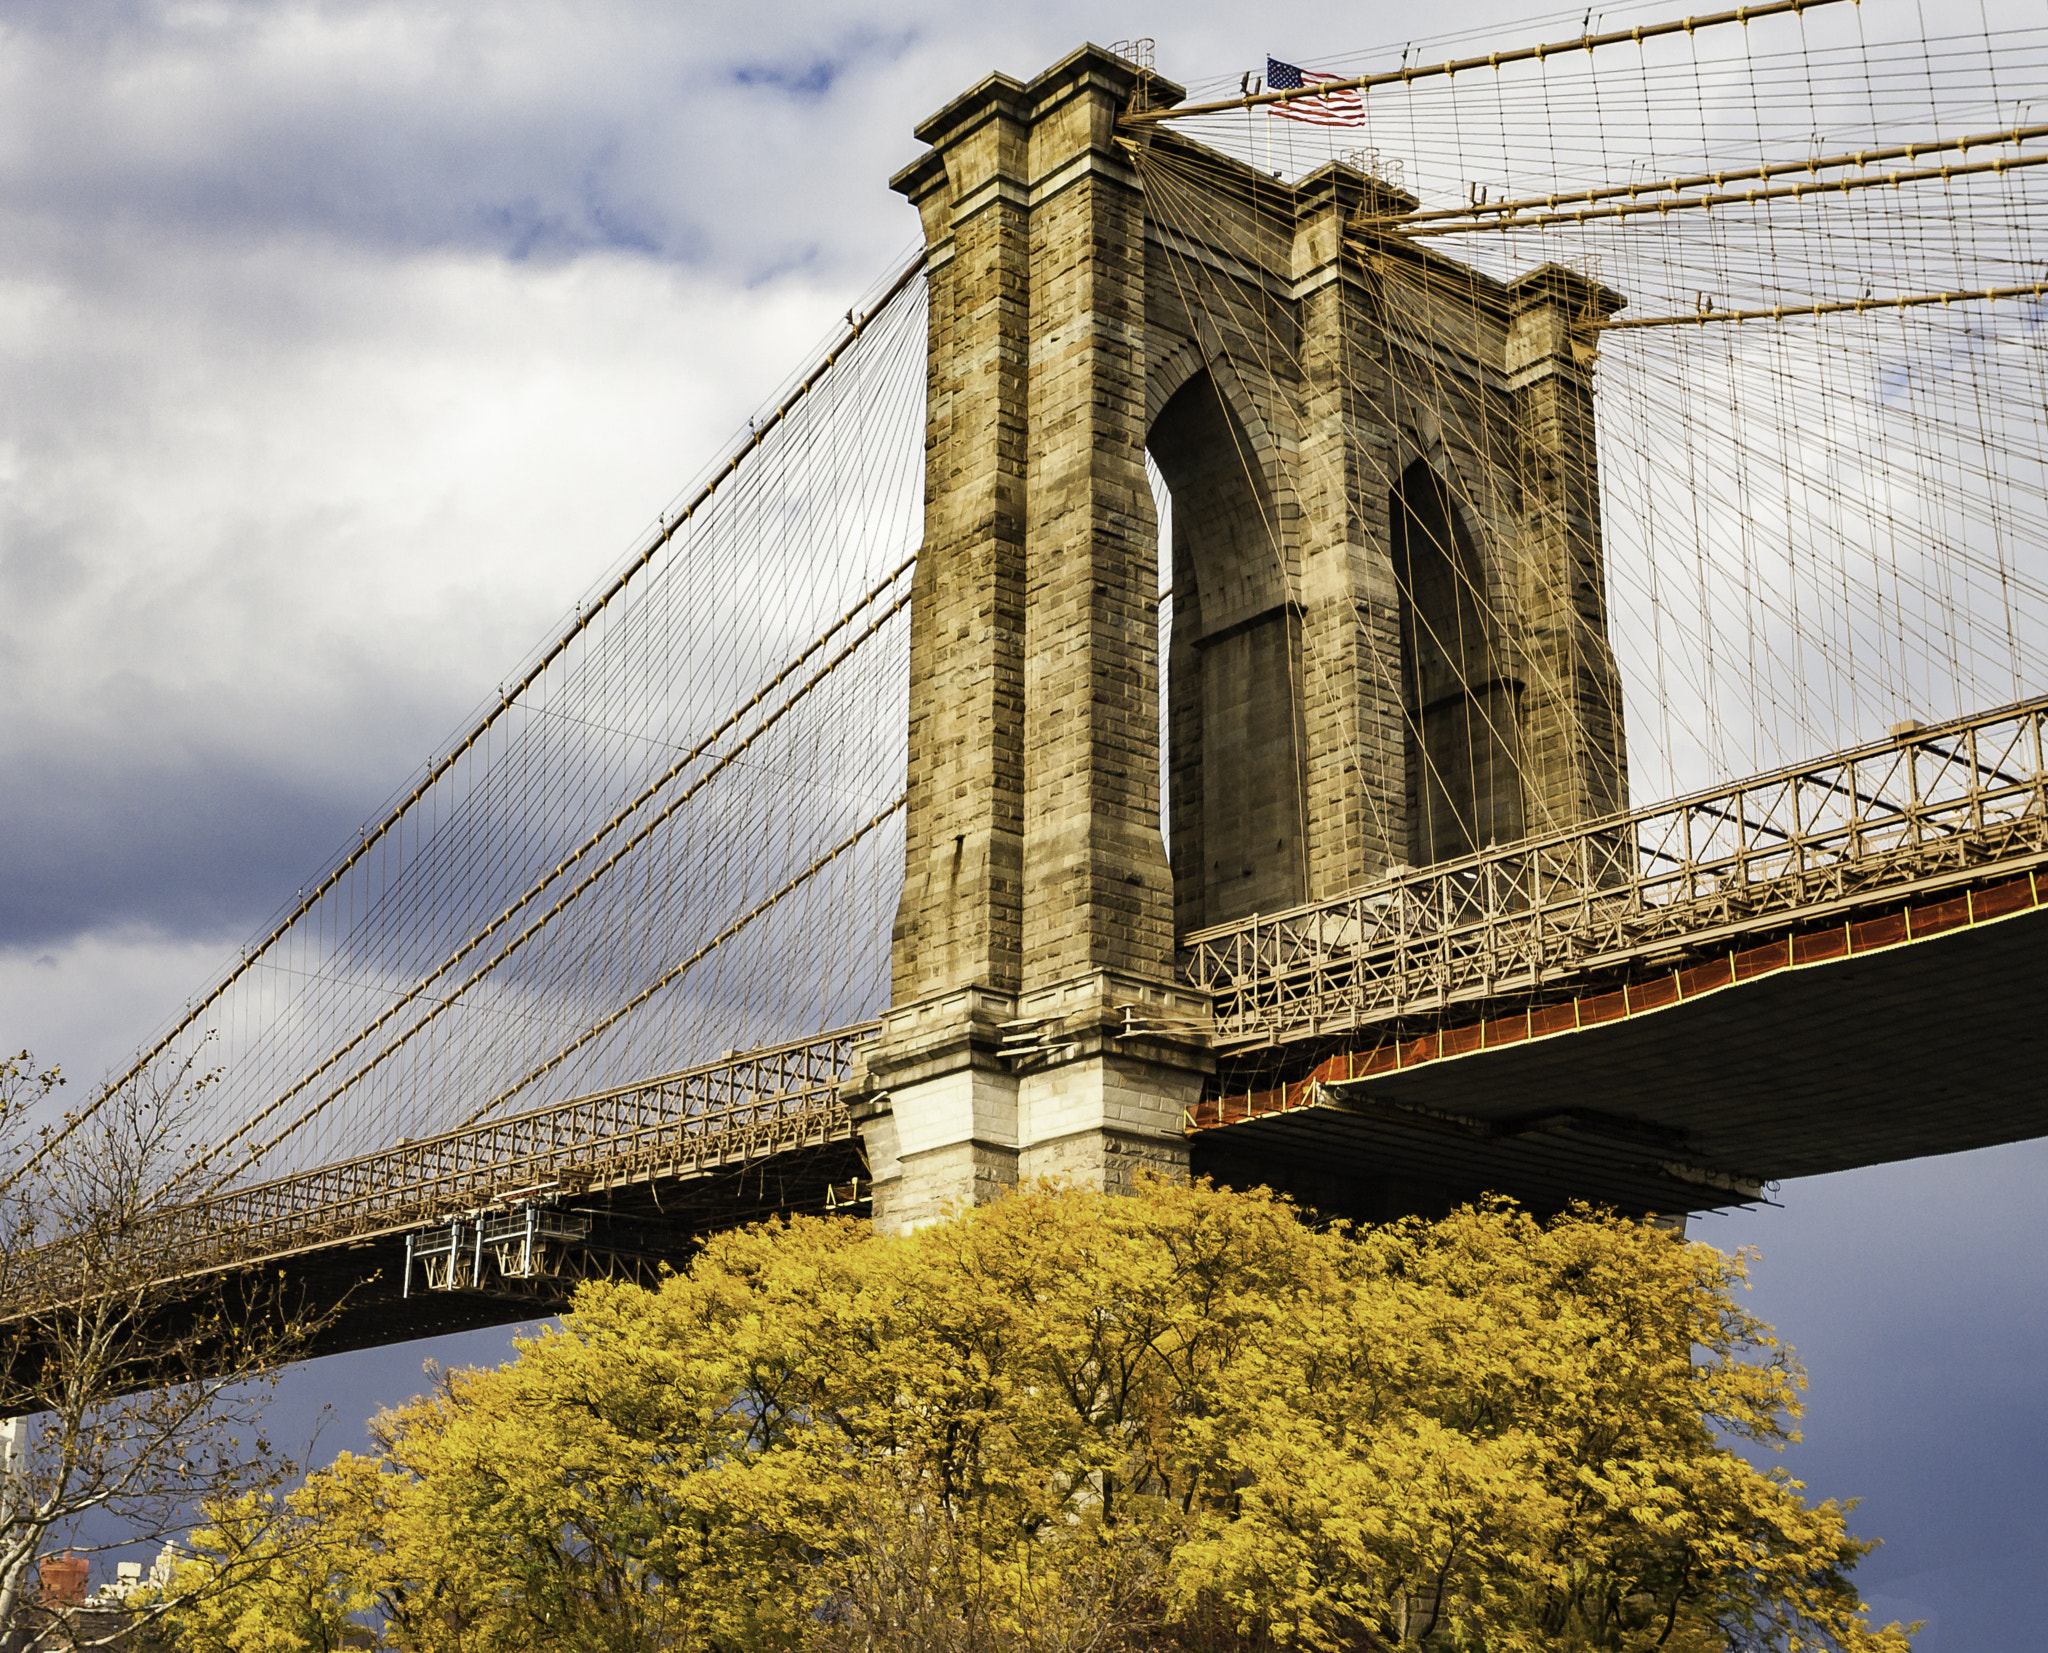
x=1388 y=606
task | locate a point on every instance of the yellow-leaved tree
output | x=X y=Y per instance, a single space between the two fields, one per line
x=1074 y=1423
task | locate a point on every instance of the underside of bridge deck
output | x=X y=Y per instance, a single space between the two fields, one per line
x=635 y=1232
x=1932 y=1047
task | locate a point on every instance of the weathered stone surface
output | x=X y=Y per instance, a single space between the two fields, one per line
x=1389 y=630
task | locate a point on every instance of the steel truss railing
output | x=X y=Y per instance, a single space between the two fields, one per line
x=1932 y=806
x=732 y=1112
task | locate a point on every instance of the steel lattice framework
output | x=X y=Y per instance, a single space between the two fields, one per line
x=675 y=1128
x=1964 y=803
x=675 y=826
x=1926 y=810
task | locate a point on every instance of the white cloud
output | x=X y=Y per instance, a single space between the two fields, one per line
x=84 y=1002
x=343 y=345
x=270 y=531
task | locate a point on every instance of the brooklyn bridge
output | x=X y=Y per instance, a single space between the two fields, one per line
x=1328 y=674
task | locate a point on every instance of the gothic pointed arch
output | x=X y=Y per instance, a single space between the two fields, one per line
x=1459 y=700
x=1235 y=800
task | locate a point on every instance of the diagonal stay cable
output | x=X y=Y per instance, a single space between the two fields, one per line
x=1563 y=201
x=676 y=970
x=1824 y=307
x=1406 y=76
x=547 y=880
x=725 y=761
x=667 y=531
x=1826 y=191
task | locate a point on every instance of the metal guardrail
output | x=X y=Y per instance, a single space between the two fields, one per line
x=734 y=1111
x=1929 y=807
x=1932 y=807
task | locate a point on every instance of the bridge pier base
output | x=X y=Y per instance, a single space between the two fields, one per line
x=1087 y=1082
x=1036 y=1028
x=936 y=1107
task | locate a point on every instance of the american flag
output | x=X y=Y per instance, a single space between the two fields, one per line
x=1346 y=108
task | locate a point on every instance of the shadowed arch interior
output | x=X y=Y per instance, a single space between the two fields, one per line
x=1234 y=765
x=1459 y=708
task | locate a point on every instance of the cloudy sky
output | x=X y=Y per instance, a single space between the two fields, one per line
x=342 y=346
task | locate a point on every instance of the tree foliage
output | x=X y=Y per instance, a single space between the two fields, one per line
x=137 y=1373
x=1070 y=1423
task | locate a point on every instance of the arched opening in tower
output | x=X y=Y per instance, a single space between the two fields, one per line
x=1459 y=707
x=1234 y=766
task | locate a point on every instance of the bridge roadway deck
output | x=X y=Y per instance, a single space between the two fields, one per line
x=429 y=1236
x=1816 y=969
x=1912 y=1031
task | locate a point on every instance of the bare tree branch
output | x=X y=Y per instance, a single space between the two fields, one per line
x=136 y=1373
